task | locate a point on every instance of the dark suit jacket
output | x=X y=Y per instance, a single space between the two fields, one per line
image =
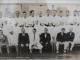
x=45 y=40
x=61 y=38
x=70 y=37
x=23 y=39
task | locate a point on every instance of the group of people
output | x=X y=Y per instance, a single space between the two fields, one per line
x=39 y=32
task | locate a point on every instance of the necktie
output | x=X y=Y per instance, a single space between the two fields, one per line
x=70 y=33
x=62 y=34
x=45 y=35
x=34 y=36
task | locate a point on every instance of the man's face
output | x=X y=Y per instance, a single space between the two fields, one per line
x=67 y=13
x=45 y=30
x=30 y=25
x=32 y=14
x=61 y=13
x=48 y=11
x=16 y=24
x=11 y=32
x=75 y=13
x=24 y=14
x=42 y=24
x=23 y=30
x=17 y=14
x=1 y=32
x=62 y=23
x=22 y=25
x=40 y=13
x=50 y=24
x=36 y=22
x=62 y=31
x=70 y=30
x=54 y=12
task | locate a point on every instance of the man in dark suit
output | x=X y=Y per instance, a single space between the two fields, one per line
x=45 y=39
x=61 y=38
x=23 y=39
x=70 y=38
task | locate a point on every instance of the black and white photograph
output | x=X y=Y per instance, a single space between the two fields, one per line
x=39 y=29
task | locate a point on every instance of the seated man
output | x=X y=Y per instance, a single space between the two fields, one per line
x=45 y=39
x=12 y=40
x=61 y=38
x=23 y=39
x=34 y=41
x=3 y=41
x=70 y=38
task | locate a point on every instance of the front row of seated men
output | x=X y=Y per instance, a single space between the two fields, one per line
x=39 y=41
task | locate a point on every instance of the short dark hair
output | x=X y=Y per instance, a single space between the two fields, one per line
x=48 y=10
x=34 y=29
x=63 y=29
x=45 y=28
x=17 y=12
x=24 y=11
x=61 y=11
x=54 y=10
x=31 y=11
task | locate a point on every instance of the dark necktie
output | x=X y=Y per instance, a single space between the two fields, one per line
x=34 y=36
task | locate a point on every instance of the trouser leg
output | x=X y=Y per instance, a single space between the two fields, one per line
x=30 y=50
x=66 y=44
x=0 y=49
x=7 y=46
x=72 y=45
x=57 y=46
x=16 y=48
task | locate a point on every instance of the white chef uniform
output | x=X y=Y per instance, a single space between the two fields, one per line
x=35 y=41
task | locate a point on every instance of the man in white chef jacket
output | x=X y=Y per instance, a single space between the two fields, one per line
x=0 y=14
x=34 y=43
x=47 y=18
x=17 y=14
x=48 y=12
x=24 y=14
x=77 y=35
x=62 y=25
x=32 y=18
x=9 y=14
x=42 y=27
x=12 y=40
x=55 y=18
x=51 y=30
x=5 y=27
x=29 y=29
x=37 y=26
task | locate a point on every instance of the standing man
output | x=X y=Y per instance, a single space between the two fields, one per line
x=45 y=39
x=24 y=14
x=17 y=14
x=61 y=38
x=23 y=39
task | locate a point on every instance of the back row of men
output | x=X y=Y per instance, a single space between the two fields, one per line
x=40 y=14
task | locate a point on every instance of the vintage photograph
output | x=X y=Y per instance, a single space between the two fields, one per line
x=39 y=29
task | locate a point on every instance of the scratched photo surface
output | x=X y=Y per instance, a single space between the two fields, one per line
x=39 y=29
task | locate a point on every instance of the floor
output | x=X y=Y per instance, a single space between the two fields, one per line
x=48 y=56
